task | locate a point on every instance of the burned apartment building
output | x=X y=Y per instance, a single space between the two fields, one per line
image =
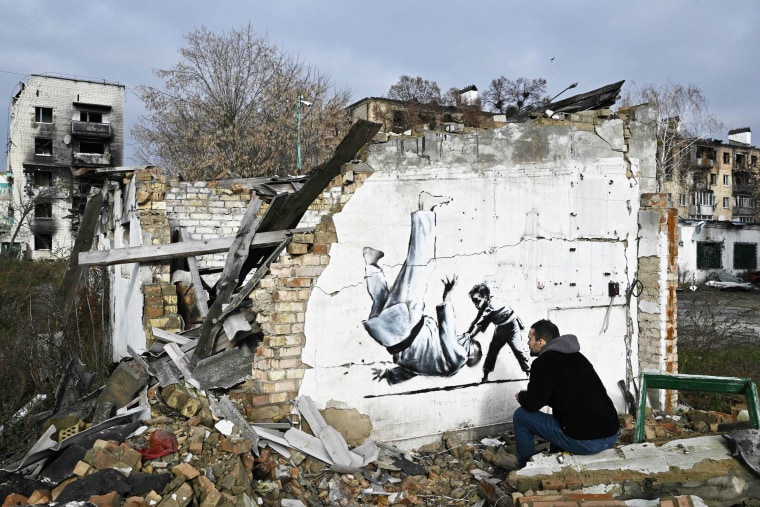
x=713 y=186
x=708 y=179
x=62 y=132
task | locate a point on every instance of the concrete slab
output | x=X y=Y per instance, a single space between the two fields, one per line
x=701 y=466
x=646 y=457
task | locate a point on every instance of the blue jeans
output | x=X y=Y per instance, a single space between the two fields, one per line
x=528 y=424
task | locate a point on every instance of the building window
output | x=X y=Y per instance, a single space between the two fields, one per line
x=754 y=160
x=43 y=210
x=726 y=180
x=708 y=255
x=726 y=157
x=43 y=114
x=88 y=147
x=713 y=179
x=682 y=199
x=43 y=146
x=43 y=242
x=726 y=204
x=91 y=117
x=745 y=256
x=43 y=178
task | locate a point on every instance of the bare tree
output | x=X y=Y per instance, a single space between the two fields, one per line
x=511 y=97
x=682 y=120
x=409 y=89
x=230 y=104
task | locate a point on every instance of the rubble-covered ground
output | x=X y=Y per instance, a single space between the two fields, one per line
x=177 y=451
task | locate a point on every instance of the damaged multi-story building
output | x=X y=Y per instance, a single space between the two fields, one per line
x=63 y=133
x=713 y=185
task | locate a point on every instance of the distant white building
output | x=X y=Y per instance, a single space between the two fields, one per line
x=61 y=132
x=469 y=95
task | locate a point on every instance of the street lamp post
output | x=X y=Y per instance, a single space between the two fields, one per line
x=298 y=129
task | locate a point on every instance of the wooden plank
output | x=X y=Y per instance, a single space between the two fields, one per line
x=166 y=336
x=297 y=203
x=85 y=236
x=201 y=297
x=180 y=361
x=228 y=281
x=246 y=289
x=153 y=253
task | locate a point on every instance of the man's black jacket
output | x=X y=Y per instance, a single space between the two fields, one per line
x=562 y=378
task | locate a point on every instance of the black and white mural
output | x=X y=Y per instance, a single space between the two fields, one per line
x=421 y=344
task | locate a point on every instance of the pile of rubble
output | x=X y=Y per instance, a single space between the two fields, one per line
x=659 y=427
x=149 y=438
x=176 y=445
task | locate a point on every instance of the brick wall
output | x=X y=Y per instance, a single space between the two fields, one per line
x=206 y=211
x=657 y=316
x=280 y=302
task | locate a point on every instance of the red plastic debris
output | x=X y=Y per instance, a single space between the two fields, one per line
x=161 y=443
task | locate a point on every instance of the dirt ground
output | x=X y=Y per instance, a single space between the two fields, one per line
x=733 y=312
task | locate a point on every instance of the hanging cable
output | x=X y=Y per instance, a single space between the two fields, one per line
x=635 y=289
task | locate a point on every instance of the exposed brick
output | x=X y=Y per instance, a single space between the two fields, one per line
x=15 y=499
x=112 y=499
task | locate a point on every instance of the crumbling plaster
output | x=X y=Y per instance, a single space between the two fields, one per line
x=547 y=215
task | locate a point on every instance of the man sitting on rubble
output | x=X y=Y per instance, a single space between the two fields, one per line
x=583 y=419
x=419 y=343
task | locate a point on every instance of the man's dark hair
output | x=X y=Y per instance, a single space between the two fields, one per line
x=545 y=330
x=480 y=288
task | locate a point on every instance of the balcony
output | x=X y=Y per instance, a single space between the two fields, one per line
x=85 y=128
x=701 y=209
x=95 y=159
x=704 y=163
x=744 y=210
x=743 y=188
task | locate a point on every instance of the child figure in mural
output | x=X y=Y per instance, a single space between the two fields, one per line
x=507 y=328
x=419 y=343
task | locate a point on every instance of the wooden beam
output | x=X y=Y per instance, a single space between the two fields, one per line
x=201 y=297
x=228 y=282
x=85 y=236
x=194 y=247
x=297 y=203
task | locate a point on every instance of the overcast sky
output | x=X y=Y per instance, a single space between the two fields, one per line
x=367 y=46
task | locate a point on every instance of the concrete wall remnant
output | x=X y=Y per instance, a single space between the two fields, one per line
x=557 y=217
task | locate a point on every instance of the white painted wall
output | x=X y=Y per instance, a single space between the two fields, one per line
x=547 y=216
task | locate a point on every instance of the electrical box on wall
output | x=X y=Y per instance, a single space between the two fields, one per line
x=614 y=289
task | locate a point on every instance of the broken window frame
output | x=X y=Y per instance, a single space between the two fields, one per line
x=42 y=177
x=43 y=242
x=91 y=116
x=709 y=255
x=43 y=210
x=43 y=146
x=93 y=148
x=43 y=114
x=726 y=157
x=745 y=256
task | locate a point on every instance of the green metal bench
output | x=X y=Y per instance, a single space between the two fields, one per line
x=729 y=385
